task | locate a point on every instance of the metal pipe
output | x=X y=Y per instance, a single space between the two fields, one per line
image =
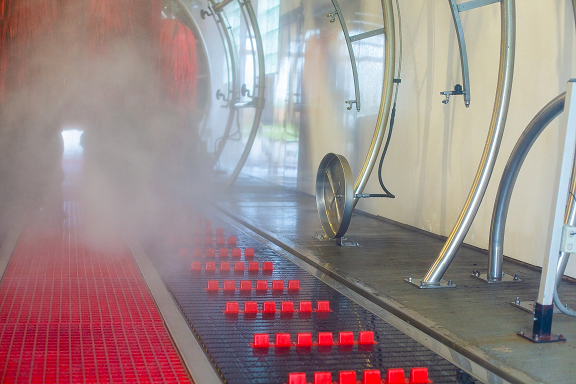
x=508 y=180
x=463 y=51
x=259 y=97
x=386 y=99
x=570 y=219
x=499 y=114
x=218 y=7
x=193 y=25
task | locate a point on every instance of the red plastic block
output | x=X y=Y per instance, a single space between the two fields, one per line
x=232 y=308
x=250 y=307
x=210 y=252
x=305 y=306
x=212 y=285
x=293 y=285
x=210 y=266
x=236 y=252
x=253 y=266
x=195 y=266
x=223 y=252
x=208 y=231
x=372 y=376
x=267 y=266
x=208 y=240
x=261 y=285
x=197 y=252
x=297 y=378
x=245 y=285
x=366 y=337
x=183 y=252
x=419 y=376
x=219 y=231
x=323 y=306
x=277 y=285
x=225 y=266
x=220 y=240
x=346 y=338
x=269 y=307
x=287 y=307
x=229 y=285
x=232 y=241
x=304 y=340
x=283 y=340
x=261 y=340
x=395 y=376
x=347 y=377
x=239 y=266
x=249 y=252
x=322 y=378
x=325 y=339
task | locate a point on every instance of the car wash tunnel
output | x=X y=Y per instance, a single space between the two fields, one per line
x=287 y=191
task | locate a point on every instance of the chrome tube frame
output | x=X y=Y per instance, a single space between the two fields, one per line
x=508 y=180
x=232 y=63
x=386 y=99
x=434 y=275
x=463 y=51
x=258 y=98
x=191 y=22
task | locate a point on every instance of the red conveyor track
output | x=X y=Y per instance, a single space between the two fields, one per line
x=71 y=314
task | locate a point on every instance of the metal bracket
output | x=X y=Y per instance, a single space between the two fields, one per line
x=422 y=285
x=527 y=305
x=221 y=95
x=204 y=13
x=340 y=241
x=504 y=279
x=568 y=243
x=244 y=91
x=457 y=91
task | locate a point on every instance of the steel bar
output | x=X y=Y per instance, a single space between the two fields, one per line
x=366 y=35
x=259 y=98
x=218 y=7
x=500 y=112
x=475 y=4
x=350 y=53
x=508 y=180
x=463 y=51
x=386 y=99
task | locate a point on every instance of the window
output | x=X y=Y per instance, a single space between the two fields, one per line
x=269 y=21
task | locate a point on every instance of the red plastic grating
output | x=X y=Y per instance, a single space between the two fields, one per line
x=69 y=313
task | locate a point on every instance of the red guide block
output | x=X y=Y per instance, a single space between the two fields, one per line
x=297 y=378
x=322 y=378
x=225 y=266
x=229 y=286
x=245 y=285
x=372 y=376
x=268 y=307
x=253 y=266
x=325 y=339
x=197 y=252
x=287 y=307
x=293 y=285
x=210 y=266
x=366 y=338
x=219 y=231
x=347 y=377
x=212 y=285
x=277 y=285
x=223 y=252
x=195 y=266
x=220 y=240
x=236 y=252
x=210 y=252
x=346 y=338
x=323 y=306
x=250 y=307
x=304 y=340
x=283 y=340
x=208 y=231
x=208 y=240
x=261 y=285
x=232 y=241
x=249 y=252
x=419 y=376
x=261 y=340
x=232 y=308
x=305 y=306
x=239 y=266
x=267 y=266
x=395 y=376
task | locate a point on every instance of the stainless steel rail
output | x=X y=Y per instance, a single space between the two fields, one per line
x=386 y=99
x=508 y=180
x=258 y=98
x=433 y=277
x=463 y=51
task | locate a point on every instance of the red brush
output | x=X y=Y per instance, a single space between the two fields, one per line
x=109 y=20
x=178 y=63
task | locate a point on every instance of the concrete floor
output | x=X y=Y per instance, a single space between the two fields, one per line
x=476 y=319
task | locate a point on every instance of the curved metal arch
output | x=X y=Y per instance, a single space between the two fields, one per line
x=433 y=277
x=508 y=180
x=386 y=100
x=258 y=99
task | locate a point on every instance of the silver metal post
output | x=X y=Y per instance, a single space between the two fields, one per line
x=463 y=51
x=220 y=6
x=570 y=219
x=500 y=112
x=259 y=106
x=386 y=99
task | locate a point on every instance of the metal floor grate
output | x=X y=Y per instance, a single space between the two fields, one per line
x=70 y=314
